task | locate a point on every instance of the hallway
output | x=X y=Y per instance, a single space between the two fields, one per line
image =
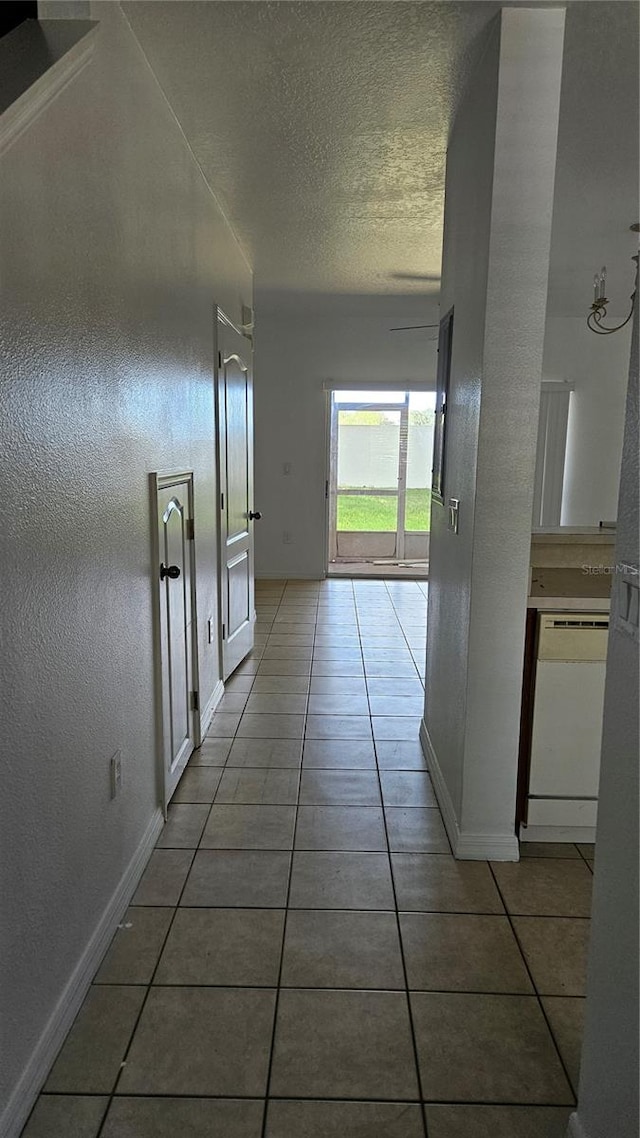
x=368 y=965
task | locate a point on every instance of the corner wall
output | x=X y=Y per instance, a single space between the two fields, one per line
x=113 y=255
x=498 y=212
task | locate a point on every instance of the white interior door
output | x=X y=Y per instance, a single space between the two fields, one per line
x=178 y=660
x=235 y=450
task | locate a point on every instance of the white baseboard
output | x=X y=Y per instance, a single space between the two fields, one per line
x=445 y=801
x=465 y=846
x=30 y=1084
x=207 y=714
x=575 y=1128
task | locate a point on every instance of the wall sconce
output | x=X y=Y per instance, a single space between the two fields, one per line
x=600 y=301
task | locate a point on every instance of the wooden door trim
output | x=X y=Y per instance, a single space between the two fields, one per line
x=159 y=481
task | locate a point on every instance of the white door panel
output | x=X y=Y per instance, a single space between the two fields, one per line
x=235 y=450
x=177 y=649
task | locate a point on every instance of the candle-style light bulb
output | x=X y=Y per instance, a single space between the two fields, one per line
x=596 y=287
x=603 y=281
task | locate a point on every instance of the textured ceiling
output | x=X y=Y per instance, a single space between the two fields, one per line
x=322 y=129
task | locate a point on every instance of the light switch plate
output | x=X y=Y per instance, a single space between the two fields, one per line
x=454 y=510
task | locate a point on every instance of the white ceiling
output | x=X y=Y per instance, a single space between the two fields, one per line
x=322 y=129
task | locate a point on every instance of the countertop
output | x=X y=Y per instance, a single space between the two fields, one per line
x=574 y=535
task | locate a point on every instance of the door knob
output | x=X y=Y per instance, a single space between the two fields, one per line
x=254 y=517
x=172 y=571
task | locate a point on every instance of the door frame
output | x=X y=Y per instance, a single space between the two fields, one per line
x=158 y=482
x=221 y=320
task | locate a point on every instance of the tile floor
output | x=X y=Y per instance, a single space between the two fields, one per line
x=303 y=957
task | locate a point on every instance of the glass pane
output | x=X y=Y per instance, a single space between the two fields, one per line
x=371 y=398
x=419 y=460
x=368 y=449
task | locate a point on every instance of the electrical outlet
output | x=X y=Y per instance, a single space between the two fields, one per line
x=287 y=467
x=115 y=772
x=286 y=537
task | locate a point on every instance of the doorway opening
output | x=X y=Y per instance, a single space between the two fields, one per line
x=379 y=485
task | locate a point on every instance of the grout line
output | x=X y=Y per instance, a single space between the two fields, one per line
x=400 y=941
x=533 y=983
x=286 y=910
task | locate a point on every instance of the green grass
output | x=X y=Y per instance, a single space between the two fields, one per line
x=379 y=514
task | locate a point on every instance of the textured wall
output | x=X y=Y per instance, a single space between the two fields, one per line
x=608 y=1096
x=499 y=199
x=598 y=367
x=113 y=255
x=294 y=355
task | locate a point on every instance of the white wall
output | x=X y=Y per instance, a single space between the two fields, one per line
x=113 y=254
x=498 y=209
x=295 y=354
x=598 y=367
x=608 y=1094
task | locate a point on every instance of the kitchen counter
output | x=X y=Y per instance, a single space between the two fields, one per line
x=569 y=588
x=574 y=535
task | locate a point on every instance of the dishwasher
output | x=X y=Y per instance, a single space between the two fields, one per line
x=562 y=801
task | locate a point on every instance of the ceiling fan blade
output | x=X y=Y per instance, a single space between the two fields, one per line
x=435 y=277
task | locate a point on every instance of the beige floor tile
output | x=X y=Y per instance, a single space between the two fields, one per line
x=242 y=827
x=232 y=701
x=162 y=881
x=278 y=652
x=341 y=828
x=238 y=878
x=201 y=1041
x=229 y=947
x=254 y=753
x=395 y=689
x=338 y=727
x=332 y=704
x=395 y=727
x=416 y=830
x=223 y=725
x=340 y=881
x=393 y=706
x=587 y=849
x=90 y=1057
x=407 y=788
x=238 y=683
x=497 y=1121
x=293 y=637
x=343 y=1120
x=212 y=753
x=271 y=726
x=339 y=788
x=190 y=1118
x=400 y=755
x=439 y=883
x=258 y=786
x=281 y=685
x=275 y=704
x=342 y=950
x=393 y=669
x=452 y=952
x=198 y=784
x=337 y=668
x=355 y=1044
x=184 y=826
x=339 y=754
x=136 y=947
x=555 y=949
x=71 y=1116
x=480 y=1048
x=554 y=887
x=338 y=685
x=566 y=1016
x=549 y=849
x=284 y=668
